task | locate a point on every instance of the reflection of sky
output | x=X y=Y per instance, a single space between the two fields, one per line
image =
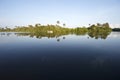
x=114 y=35
x=70 y=41
x=7 y=37
x=96 y=53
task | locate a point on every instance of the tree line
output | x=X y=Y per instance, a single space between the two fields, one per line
x=38 y=28
x=95 y=31
x=116 y=29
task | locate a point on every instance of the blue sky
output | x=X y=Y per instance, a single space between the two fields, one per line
x=74 y=13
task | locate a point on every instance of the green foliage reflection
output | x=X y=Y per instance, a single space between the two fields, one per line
x=51 y=31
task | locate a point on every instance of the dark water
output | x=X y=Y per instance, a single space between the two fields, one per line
x=68 y=57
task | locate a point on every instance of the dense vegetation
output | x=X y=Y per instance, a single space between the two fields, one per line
x=116 y=29
x=38 y=30
x=99 y=31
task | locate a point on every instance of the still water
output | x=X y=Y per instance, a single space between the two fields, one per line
x=67 y=57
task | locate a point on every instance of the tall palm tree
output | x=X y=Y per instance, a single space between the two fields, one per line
x=37 y=25
x=58 y=22
x=89 y=25
x=64 y=24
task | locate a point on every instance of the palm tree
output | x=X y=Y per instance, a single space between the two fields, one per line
x=37 y=25
x=58 y=22
x=64 y=24
x=89 y=25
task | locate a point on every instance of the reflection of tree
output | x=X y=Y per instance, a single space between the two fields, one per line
x=5 y=33
x=51 y=31
x=40 y=35
x=96 y=35
x=8 y=34
x=58 y=40
x=80 y=31
x=63 y=37
x=99 y=31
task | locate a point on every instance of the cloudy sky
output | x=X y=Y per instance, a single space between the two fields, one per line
x=74 y=13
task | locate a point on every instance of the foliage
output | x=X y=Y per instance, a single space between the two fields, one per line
x=97 y=31
x=6 y=29
x=116 y=29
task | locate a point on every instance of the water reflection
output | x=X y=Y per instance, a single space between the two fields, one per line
x=99 y=62
x=39 y=36
x=115 y=35
x=96 y=35
x=5 y=34
x=74 y=58
x=58 y=36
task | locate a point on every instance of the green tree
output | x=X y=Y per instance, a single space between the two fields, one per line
x=64 y=24
x=58 y=22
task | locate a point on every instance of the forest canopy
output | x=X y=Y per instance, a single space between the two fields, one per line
x=38 y=28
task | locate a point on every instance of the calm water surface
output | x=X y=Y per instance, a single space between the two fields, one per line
x=67 y=57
